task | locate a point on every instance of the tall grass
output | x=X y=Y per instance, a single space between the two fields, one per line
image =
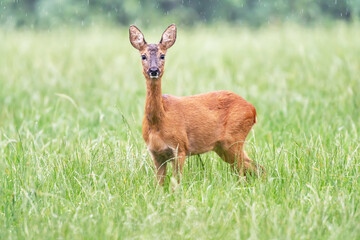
x=73 y=163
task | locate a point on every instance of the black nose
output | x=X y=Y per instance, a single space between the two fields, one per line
x=154 y=71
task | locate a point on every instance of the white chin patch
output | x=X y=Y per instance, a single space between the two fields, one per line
x=154 y=76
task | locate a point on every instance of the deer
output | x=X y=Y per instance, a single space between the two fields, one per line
x=176 y=127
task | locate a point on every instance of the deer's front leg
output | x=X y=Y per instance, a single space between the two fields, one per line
x=160 y=158
x=160 y=170
x=178 y=165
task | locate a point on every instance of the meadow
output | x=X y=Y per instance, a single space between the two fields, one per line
x=73 y=164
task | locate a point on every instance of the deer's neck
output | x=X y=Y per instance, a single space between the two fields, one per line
x=154 y=109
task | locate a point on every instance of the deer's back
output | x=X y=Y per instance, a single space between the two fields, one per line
x=206 y=119
x=217 y=104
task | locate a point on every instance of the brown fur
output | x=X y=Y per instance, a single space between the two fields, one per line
x=176 y=127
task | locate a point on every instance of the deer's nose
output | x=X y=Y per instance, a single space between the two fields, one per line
x=154 y=72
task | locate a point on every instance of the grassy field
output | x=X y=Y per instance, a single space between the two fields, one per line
x=73 y=164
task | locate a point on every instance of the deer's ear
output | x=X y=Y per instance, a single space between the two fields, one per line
x=136 y=38
x=169 y=36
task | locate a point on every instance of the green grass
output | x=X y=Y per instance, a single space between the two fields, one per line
x=73 y=163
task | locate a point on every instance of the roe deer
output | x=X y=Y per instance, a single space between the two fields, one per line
x=176 y=127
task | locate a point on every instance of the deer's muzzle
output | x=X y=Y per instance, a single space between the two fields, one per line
x=154 y=72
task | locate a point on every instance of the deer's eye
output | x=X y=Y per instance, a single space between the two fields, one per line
x=143 y=57
x=162 y=56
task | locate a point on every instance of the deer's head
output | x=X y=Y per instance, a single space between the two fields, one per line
x=153 y=55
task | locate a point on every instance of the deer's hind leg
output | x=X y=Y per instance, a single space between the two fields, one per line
x=235 y=155
x=231 y=148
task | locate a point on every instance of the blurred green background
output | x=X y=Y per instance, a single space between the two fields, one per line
x=49 y=13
